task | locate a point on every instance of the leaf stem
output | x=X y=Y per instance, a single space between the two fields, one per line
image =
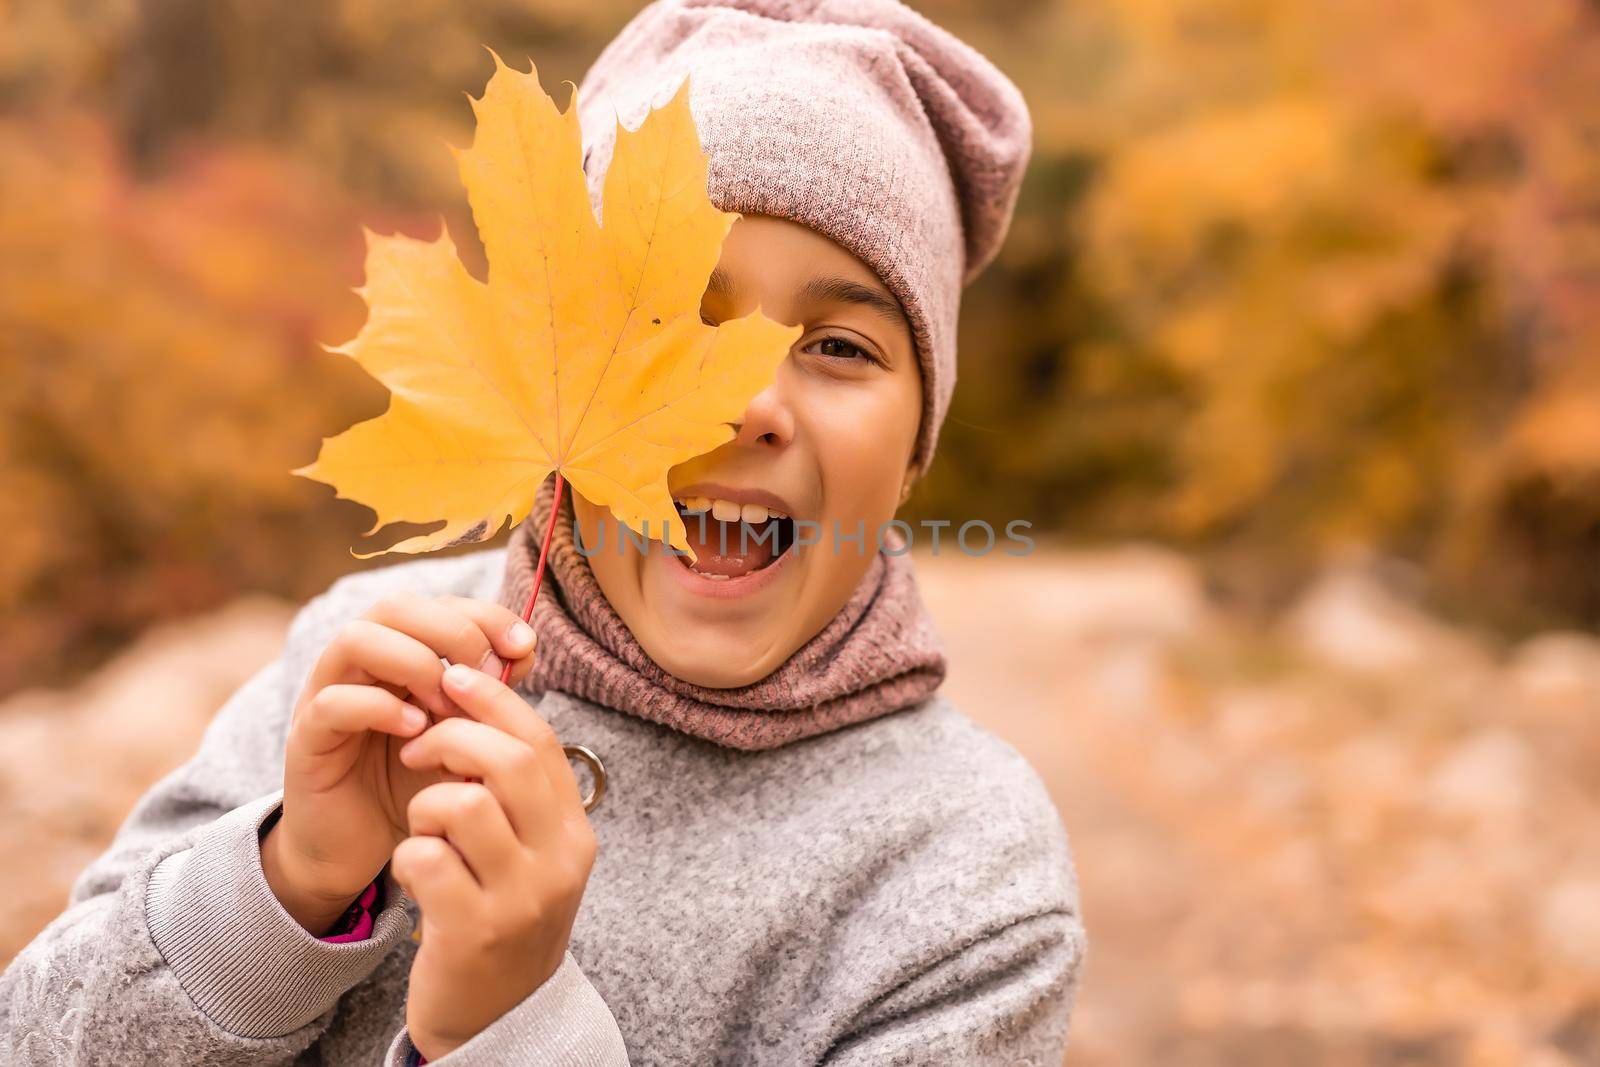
x=538 y=574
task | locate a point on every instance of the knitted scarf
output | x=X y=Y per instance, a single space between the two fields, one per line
x=879 y=654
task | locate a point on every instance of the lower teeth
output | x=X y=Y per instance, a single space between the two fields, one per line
x=777 y=543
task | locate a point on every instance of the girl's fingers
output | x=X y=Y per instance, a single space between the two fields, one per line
x=488 y=701
x=365 y=652
x=337 y=711
x=514 y=640
x=436 y=877
x=441 y=625
x=511 y=770
x=470 y=818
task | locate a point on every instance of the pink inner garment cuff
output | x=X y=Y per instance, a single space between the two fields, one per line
x=357 y=921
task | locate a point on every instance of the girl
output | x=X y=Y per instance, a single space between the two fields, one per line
x=804 y=854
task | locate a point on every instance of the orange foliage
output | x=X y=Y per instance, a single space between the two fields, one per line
x=1376 y=281
x=159 y=344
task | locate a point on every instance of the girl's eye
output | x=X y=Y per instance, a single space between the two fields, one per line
x=840 y=348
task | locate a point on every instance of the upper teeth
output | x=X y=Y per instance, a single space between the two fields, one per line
x=729 y=511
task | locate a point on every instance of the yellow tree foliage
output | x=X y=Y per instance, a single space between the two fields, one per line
x=157 y=338
x=1374 y=283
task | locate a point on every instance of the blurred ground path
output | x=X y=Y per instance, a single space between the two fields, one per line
x=1360 y=836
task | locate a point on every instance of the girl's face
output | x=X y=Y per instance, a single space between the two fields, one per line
x=829 y=445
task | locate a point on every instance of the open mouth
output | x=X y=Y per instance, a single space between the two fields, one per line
x=731 y=540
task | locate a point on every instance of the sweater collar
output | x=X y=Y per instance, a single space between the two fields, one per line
x=879 y=654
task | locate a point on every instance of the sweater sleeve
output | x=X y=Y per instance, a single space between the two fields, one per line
x=563 y=1023
x=173 y=946
x=1006 y=998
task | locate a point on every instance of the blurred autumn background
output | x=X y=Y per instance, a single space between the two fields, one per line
x=1292 y=358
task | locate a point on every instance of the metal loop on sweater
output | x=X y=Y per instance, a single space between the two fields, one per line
x=596 y=768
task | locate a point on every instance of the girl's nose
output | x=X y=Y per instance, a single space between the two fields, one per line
x=767 y=420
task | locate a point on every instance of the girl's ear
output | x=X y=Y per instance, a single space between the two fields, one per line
x=905 y=487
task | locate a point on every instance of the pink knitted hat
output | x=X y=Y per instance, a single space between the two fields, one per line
x=857 y=118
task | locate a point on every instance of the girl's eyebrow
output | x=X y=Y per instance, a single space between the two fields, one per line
x=828 y=289
x=835 y=290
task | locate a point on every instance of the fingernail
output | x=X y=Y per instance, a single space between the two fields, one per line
x=414 y=718
x=521 y=634
x=491 y=664
x=460 y=676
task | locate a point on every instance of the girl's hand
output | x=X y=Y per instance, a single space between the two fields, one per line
x=345 y=791
x=498 y=867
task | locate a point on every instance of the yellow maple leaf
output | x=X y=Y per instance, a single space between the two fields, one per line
x=583 y=353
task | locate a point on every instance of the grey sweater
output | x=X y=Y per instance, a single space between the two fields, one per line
x=894 y=892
